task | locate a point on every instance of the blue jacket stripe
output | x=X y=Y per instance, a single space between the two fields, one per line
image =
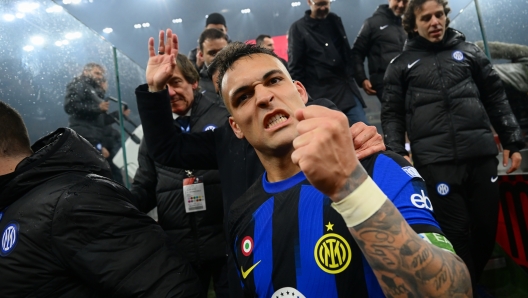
x=311 y=228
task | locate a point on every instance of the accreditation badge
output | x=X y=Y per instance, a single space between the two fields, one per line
x=193 y=194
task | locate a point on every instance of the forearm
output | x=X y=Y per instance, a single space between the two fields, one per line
x=404 y=263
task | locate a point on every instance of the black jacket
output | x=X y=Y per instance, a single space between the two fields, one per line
x=74 y=233
x=316 y=62
x=83 y=96
x=380 y=39
x=206 y=84
x=444 y=95
x=199 y=234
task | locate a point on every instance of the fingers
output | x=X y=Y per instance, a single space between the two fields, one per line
x=161 y=45
x=505 y=157
x=516 y=162
x=151 y=50
x=408 y=158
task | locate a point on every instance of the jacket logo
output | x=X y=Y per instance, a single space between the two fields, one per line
x=247 y=272
x=442 y=189
x=209 y=127
x=458 y=55
x=383 y=27
x=412 y=64
x=332 y=253
x=9 y=239
x=494 y=179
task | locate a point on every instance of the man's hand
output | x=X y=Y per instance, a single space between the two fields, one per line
x=367 y=140
x=367 y=86
x=105 y=152
x=515 y=158
x=104 y=106
x=324 y=151
x=408 y=158
x=161 y=66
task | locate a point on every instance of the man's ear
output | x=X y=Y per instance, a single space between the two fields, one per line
x=239 y=134
x=200 y=53
x=194 y=85
x=302 y=91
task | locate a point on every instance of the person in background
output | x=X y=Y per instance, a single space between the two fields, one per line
x=265 y=41
x=189 y=200
x=381 y=38
x=319 y=56
x=213 y=21
x=84 y=102
x=446 y=95
x=68 y=230
x=211 y=42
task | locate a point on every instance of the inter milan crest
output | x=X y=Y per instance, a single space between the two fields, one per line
x=458 y=55
x=209 y=127
x=287 y=292
x=247 y=246
x=332 y=252
x=442 y=189
x=9 y=239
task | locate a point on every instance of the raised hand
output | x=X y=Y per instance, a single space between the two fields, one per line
x=160 y=66
x=324 y=151
x=367 y=140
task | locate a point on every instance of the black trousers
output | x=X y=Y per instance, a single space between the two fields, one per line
x=217 y=270
x=465 y=198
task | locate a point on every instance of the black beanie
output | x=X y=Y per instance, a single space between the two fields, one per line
x=215 y=18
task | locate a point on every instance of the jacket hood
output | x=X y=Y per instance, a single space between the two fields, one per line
x=60 y=152
x=451 y=38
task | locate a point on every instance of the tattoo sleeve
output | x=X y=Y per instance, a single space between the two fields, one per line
x=406 y=265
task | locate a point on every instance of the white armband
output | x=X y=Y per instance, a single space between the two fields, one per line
x=361 y=204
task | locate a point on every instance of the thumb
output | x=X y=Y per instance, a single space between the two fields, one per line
x=505 y=157
x=299 y=115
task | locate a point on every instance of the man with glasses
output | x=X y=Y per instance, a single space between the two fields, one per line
x=319 y=56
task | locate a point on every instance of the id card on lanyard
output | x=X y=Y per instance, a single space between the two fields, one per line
x=193 y=193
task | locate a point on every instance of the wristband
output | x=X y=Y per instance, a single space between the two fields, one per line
x=361 y=204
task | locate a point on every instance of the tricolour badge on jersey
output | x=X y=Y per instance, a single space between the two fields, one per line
x=442 y=189
x=209 y=127
x=458 y=55
x=332 y=252
x=412 y=172
x=247 y=246
x=9 y=238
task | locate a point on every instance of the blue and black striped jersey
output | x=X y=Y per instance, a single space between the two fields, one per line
x=288 y=240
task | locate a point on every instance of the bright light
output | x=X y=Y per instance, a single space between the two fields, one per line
x=37 y=40
x=20 y=15
x=56 y=8
x=461 y=10
x=58 y=43
x=66 y=1
x=295 y=4
x=75 y=1
x=145 y=25
x=177 y=21
x=28 y=48
x=247 y=10
x=73 y=35
x=28 y=6
x=65 y=42
x=137 y=26
x=206 y=16
x=108 y=30
x=9 y=17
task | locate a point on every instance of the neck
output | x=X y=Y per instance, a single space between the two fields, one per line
x=278 y=168
x=9 y=164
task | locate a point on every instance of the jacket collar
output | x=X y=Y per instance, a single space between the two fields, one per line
x=384 y=10
x=332 y=17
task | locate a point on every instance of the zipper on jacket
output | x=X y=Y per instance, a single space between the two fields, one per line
x=448 y=106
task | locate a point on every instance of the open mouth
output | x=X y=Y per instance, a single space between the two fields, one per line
x=276 y=119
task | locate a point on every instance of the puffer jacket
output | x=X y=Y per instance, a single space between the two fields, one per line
x=68 y=231
x=380 y=40
x=199 y=234
x=444 y=95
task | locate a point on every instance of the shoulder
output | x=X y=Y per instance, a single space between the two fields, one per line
x=389 y=167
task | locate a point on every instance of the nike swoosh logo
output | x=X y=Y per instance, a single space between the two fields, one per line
x=383 y=27
x=247 y=272
x=411 y=65
x=494 y=179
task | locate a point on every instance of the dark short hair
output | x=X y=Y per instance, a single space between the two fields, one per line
x=92 y=65
x=14 y=138
x=260 y=39
x=211 y=34
x=409 y=18
x=189 y=72
x=232 y=53
x=215 y=18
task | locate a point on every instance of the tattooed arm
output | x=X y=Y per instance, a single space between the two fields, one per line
x=405 y=265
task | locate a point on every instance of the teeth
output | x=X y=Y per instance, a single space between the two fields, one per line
x=276 y=120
